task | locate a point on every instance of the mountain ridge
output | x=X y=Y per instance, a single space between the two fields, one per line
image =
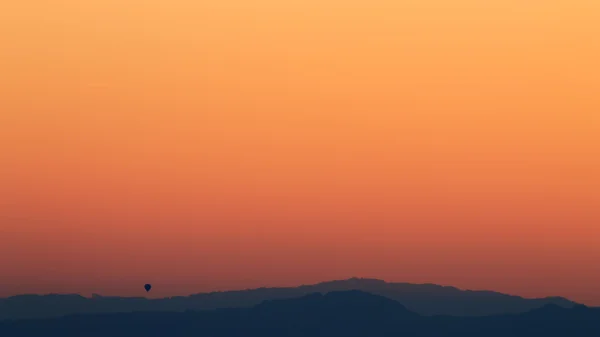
x=425 y=299
x=351 y=313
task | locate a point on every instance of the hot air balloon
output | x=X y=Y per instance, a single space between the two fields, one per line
x=148 y=287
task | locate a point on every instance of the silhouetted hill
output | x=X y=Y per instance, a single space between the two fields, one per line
x=432 y=299
x=425 y=299
x=335 y=304
x=336 y=314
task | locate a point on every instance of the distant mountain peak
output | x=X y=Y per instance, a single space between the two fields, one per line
x=353 y=280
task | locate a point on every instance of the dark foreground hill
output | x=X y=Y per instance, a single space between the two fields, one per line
x=336 y=314
x=425 y=299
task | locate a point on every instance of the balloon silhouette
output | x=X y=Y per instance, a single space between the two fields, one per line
x=148 y=287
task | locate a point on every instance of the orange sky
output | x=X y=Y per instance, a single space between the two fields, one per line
x=203 y=145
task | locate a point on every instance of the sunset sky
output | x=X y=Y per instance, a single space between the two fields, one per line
x=204 y=145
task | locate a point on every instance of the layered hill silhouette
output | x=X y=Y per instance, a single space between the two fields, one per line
x=335 y=314
x=424 y=299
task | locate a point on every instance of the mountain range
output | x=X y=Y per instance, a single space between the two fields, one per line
x=423 y=299
x=351 y=313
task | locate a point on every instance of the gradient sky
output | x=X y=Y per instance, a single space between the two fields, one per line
x=206 y=145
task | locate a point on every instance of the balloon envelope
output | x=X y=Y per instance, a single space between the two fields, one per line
x=148 y=287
